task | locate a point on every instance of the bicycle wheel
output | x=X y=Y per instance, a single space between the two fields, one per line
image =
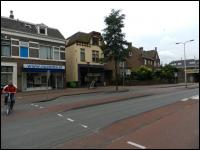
x=8 y=109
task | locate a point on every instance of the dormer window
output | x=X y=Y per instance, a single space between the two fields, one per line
x=95 y=41
x=42 y=29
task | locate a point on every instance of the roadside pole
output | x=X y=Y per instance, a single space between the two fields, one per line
x=48 y=75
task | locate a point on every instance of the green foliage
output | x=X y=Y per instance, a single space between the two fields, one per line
x=142 y=73
x=72 y=84
x=165 y=73
x=116 y=47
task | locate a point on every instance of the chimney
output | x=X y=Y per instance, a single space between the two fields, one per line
x=155 y=48
x=11 y=14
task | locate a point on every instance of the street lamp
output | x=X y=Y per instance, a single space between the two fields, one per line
x=185 y=59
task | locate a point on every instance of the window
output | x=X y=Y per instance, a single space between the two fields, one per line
x=6 y=74
x=42 y=30
x=15 y=50
x=24 y=52
x=5 y=48
x=145 y=61
x=192 y=62
x=95 y=41
x=130 y=53
x=95 y=56
x=15 y=47
x=23 y=49
x=179 y=63
x=46 y=52
x=56 y=55
x=34 y=49
x=62 y=56
x=82 y=54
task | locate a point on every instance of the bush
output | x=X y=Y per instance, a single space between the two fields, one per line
x=142 y=73
x=72 y=84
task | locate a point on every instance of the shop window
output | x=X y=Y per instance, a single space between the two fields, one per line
x=44 y=79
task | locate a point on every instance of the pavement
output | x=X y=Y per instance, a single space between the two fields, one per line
x=175 y=126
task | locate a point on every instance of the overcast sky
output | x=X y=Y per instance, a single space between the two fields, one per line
x=147 y=24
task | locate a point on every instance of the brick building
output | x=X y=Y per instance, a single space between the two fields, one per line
x=137 y=57
x=28 y=52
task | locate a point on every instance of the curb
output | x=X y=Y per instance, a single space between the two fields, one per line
x=54 y=98
x=114 y=101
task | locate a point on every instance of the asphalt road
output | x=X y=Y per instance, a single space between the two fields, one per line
x=54 y=128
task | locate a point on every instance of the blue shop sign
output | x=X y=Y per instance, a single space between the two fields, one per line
x=43 y=68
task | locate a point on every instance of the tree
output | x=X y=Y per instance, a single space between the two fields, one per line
x=116 y=47
x=166 y=73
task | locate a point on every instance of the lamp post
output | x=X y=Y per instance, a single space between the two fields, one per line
x=184 y=43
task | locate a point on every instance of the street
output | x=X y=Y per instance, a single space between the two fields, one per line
x=59 y=122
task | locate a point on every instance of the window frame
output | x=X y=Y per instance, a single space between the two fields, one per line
x=81 y=52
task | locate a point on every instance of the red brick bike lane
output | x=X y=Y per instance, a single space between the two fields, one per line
x=175 y=126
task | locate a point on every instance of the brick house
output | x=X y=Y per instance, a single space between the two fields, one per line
x=28 y=52
x=137 y=58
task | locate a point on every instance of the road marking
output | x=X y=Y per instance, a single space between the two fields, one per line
x=41 y=107
x=36 y=105
x=185 y=99
x=195 y=97
x=84 y=126
x=70 y=119
x=60 y=115
x=32 y=104
x=137 y=145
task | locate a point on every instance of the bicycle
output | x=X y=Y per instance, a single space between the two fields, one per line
x=9 y=102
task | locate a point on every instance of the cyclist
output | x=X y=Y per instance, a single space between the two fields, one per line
x=10 y=88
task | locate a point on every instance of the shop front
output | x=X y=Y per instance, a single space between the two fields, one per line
x=89 y=73
x=42 y=77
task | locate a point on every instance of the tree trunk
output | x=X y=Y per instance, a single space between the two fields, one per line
x=116 y=75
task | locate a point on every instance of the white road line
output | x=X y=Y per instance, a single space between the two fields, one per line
x=136 y=145
x=60 y=115
x=41 y=107
x=32 y=104
x=36 y=105
x=185 y=99
x=195 y=97
x=84 y=126
x=70 y=119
